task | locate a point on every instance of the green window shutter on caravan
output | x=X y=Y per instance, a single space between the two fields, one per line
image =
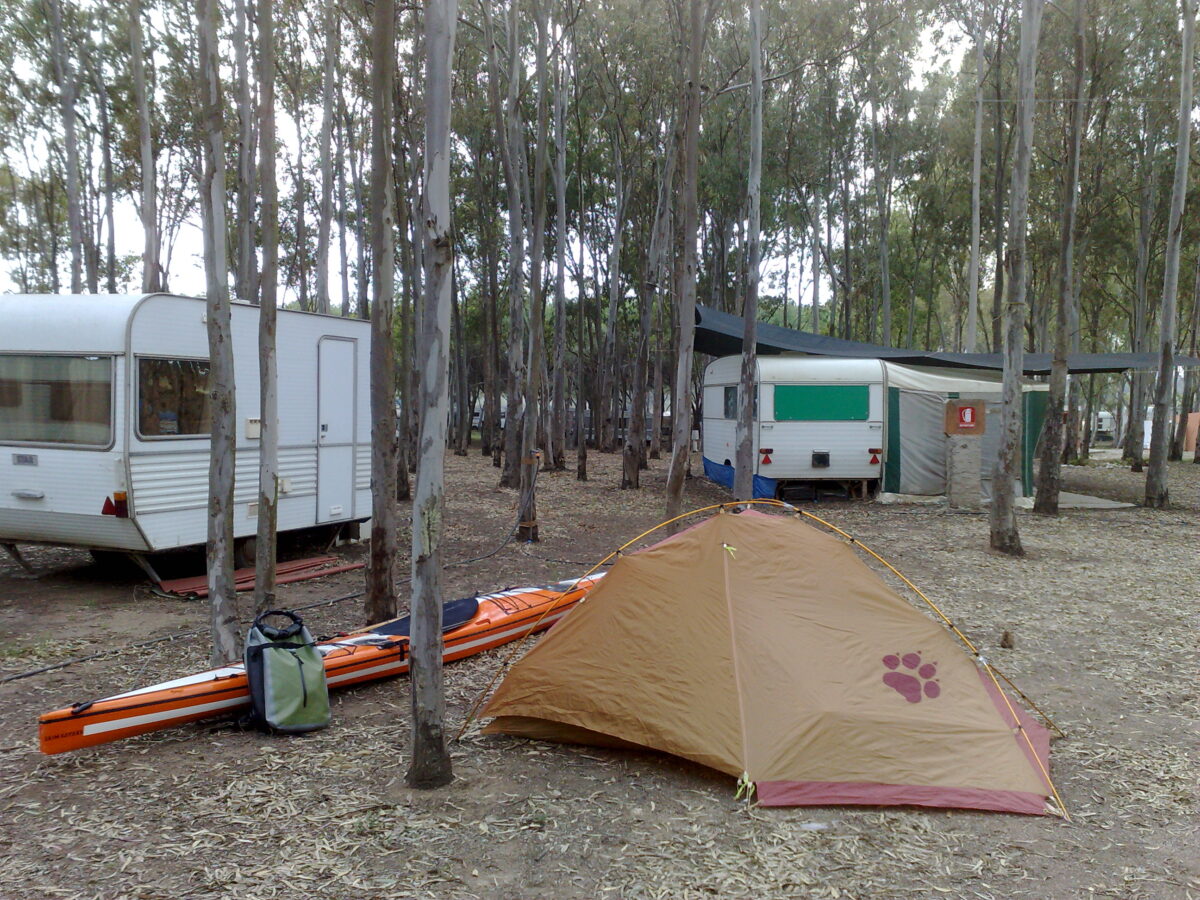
x=822 y=402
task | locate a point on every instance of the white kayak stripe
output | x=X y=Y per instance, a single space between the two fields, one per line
x=372 y=670
x=164 y=716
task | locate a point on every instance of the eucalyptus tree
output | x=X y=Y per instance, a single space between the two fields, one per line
x=431 y=759
x=246 y=266
x=692 y=21
x=221 y=589
x=268 y=444
x=1003 y=521
x=381 y=590
x=743 y=488
x=68 y=88
x=329 y=12
x=1049 y=480
x=527 y=529
x=1156 y=477
x=151 y=276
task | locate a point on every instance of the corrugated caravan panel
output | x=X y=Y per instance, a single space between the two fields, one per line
x=177 y=480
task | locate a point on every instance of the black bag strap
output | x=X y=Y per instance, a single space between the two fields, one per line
x=276 y=633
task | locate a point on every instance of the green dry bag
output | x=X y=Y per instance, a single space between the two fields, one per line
x=288 y=691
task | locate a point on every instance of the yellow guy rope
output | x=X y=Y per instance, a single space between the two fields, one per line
x=987 y=666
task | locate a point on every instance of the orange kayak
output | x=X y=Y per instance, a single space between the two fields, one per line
x=470 y=625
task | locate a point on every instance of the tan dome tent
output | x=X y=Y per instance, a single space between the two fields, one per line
x=769 y=650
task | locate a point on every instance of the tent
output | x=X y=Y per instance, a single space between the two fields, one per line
x=761 y=647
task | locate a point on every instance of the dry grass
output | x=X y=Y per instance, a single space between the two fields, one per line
x=1103 y=617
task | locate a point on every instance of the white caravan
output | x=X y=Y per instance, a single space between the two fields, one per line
x=863 y=423
x=104 y=421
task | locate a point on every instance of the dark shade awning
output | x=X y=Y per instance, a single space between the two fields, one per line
x=720 y=334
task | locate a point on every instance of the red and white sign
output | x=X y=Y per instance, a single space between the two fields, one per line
x=966 y=417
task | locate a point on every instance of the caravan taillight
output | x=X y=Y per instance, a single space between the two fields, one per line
x=116 y=505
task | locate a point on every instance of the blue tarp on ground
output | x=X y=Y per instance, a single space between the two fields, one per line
x=764 y=488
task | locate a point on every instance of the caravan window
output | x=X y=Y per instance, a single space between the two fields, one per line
x=56 y=399
x=173 y=397
x=731 y=403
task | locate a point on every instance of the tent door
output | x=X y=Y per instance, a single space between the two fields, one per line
x=337 y=360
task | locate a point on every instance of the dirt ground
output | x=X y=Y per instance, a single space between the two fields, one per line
x=1102 y=612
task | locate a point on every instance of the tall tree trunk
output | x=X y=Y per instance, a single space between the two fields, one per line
x=381 y=589
x=508 y=137
x=681 y=396
x=328 y=77
x=1004 y=534
x=431 y=761
x=558 y=428
x=362 y=240
x=1135 y=428
x=110 y=258
x=268 y=445
x=815 y=228
x=998 y=191
x=1050 y=474
x=221 y=591
x=68 y=91
x=461 y=408
x=245 y=284
x=972 y=341
x=1156 y=475
x=883 y=190
x=301 y=251
x=530 y=462
x=149 y=206
x=1191 y=377
x=608 y=355
x=343 y=252
x=743 y=481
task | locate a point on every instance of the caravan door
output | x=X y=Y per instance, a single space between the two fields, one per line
x=337 y=361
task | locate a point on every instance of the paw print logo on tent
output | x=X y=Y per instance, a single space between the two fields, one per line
x=910 y=678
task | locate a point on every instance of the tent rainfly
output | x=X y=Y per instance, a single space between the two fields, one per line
x=766 y=649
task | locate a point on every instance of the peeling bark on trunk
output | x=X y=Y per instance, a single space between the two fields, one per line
x=1050 y=474
x=328 y=77
x=681 y=396
x=381 y=590
x=558 y=427
x=343 y=253
x=245 y=282
x=1004 y=534
x=222 y=593
x=527 y=529
x=508 y=138
x=68 y=90
x=268 y=445
x=430 y=766
x=1135 y=427
x=609 y=354
x=1157 y=495
x=151 y=281
x=976 y=177
x=743 y=484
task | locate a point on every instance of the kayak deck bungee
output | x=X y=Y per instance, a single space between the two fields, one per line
x=470 y=625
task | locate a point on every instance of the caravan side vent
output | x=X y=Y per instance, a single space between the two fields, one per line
x=820 y=459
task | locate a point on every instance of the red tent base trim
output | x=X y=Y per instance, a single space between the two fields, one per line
x=866 y=793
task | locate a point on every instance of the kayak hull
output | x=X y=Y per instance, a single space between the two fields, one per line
x=378 y=652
